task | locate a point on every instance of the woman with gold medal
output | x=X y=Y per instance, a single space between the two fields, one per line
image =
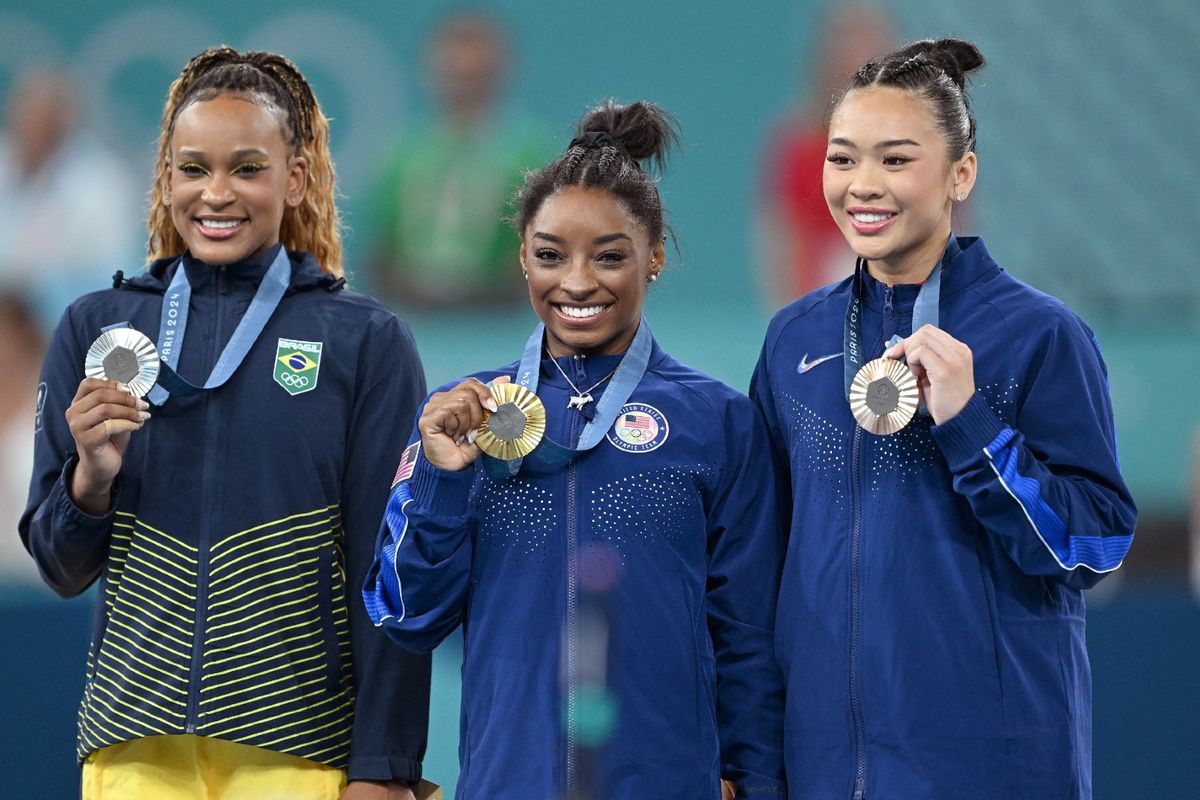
x=598 y=517
x=954 y=477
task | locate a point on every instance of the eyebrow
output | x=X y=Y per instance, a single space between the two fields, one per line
x=843 y=142
x=245 y=152
x=605 y=239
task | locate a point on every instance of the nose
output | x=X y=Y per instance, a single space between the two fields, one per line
x=866 y=183
x=578 y=280
x=217 y=191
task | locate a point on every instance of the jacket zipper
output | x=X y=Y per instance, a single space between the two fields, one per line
x=572 y=598
x=856 y=543
x=208 y=500
x=860 y=744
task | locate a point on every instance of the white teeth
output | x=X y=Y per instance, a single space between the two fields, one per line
x=872 y=218
x=581 y=313
x=220 y=224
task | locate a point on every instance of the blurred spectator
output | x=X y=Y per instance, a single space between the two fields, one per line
x=21 y=350
x=803 y=248
x=70 y=208
x=438 y=236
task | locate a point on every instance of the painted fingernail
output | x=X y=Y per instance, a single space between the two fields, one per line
x=471 y=436
x=490 y=405
x=143 y=415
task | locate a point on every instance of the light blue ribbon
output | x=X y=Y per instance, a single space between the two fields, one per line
x=628 y=375
x=173 y=326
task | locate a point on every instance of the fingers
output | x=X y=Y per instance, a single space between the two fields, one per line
x=98 y=403
x=458 y=412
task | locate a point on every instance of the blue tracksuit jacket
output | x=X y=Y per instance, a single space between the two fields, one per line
x=931 y=618
x=239 y=519
x=617 y=612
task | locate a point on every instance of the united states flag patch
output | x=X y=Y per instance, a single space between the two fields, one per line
x=407 y=462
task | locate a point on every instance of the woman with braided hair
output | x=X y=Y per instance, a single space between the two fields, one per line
x=954 y=477
x=229 y=511
x=595 y=517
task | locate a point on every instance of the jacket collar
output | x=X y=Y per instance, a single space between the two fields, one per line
x=245 y=275
x=972 y=265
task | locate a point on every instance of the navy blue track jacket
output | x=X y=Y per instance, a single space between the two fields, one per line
x=931 y=618
x=239 y=519
x=617 y=612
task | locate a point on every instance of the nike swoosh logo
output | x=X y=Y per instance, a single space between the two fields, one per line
x=806 y=365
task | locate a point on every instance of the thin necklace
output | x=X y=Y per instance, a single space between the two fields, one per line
x=580 y=399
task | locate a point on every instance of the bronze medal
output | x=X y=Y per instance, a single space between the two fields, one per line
x=516 y=427
x=884 y=396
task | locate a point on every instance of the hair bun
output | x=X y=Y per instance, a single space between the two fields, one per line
x=957 y=57
x=643 y=129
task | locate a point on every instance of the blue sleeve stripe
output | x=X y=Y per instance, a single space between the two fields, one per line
x=386 y=602
x=1096 y=553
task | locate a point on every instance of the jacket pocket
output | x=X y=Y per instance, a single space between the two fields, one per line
x=330 y=591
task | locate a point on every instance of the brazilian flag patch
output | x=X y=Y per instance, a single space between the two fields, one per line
x=297 y=365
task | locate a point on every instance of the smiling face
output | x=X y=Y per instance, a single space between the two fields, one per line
x=231 y=177
x=889 y=182
x=588 y=262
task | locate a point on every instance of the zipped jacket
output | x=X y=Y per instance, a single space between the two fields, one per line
x=238 y=519
x=617 y=612
x=931 y=616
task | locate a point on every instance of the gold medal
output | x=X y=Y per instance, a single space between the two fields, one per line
x=883 y=396
x=126 y=356
x=516 y=427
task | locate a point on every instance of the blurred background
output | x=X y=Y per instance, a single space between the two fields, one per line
x=1089 y=130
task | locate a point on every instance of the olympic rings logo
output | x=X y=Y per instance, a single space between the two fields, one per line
x=297 y=381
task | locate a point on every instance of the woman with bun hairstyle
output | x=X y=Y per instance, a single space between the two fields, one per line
x=615 y=585
x=227 y=513
x=951 y=502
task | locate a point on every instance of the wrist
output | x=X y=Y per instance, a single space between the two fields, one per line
x=89 y=493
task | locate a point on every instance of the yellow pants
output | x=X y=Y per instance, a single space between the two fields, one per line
x=200 y=768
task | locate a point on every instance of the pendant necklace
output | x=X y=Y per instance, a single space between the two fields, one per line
x=580 y=398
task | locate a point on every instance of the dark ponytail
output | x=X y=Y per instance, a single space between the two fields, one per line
x=613 y=145
x=937 y=70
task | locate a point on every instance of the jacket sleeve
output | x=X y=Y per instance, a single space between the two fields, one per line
x=745 y=559
x=69 y=545
x=1048 y=487
x=392 y=686
x=417 y=588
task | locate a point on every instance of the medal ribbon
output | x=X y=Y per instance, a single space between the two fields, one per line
x=925 y=311
x=173 y=326
x=628 y=375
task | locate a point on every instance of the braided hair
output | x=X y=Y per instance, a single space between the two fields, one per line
x=612 y=143
x=937 y=71
x=277 y=84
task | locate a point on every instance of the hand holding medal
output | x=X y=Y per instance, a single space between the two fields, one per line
x=121 y=366
x=452 y=420
x=943 y=368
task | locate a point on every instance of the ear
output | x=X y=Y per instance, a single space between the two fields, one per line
x=166 y=182
x=658 y=257
x=297 y=180
x=522 y=257
x=964 y=172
